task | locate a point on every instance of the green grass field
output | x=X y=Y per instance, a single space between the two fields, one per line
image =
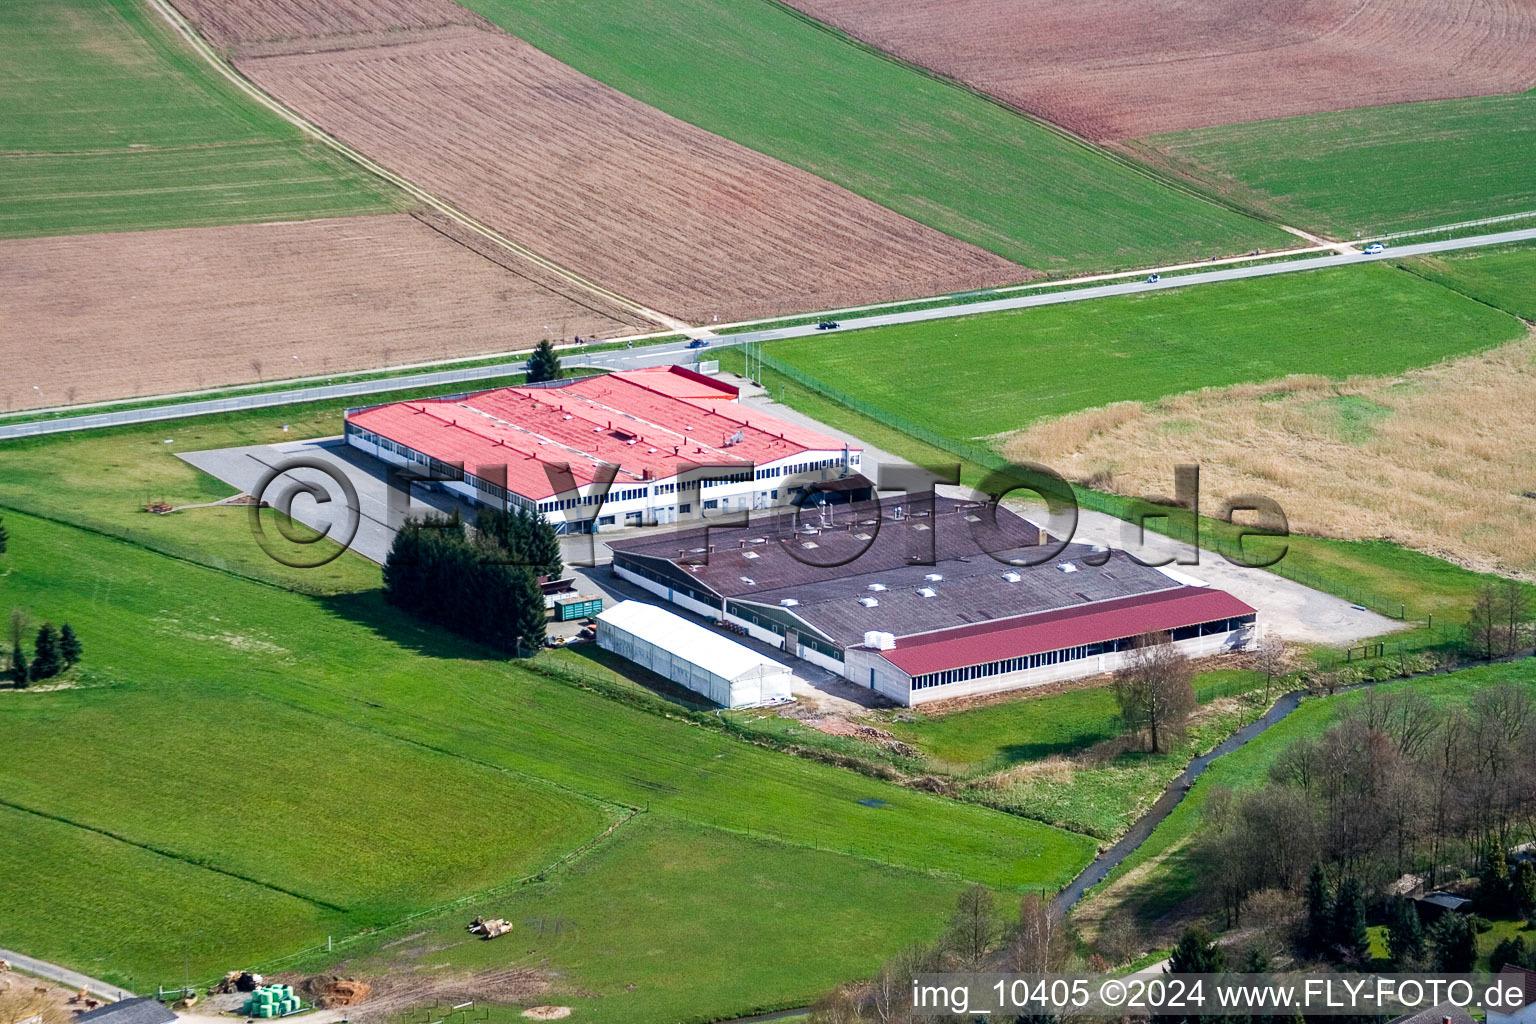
x=1505 y=278
x=761 y=75
x=1395 y=168
x=333 y=752
x=657 y=925
x=1017 y=367
x=113 y=125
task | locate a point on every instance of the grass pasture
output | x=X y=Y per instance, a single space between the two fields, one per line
x=657 y=925
x=766 y=77
x=1022 y=366
x=112 y=125
x=407 y=769
x=1373 y=170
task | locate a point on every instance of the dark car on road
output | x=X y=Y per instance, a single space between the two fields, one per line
x=828 y=325
x=698 y=343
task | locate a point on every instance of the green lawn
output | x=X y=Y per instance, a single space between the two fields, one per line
x=658 y=925
x=289 y=739
x=1505 y=278
x=112 y=124
x=1377 y=169
x=1017 y=367
x=761 y=75
x=1032 y=728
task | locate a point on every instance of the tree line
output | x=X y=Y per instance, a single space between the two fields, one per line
x=1398 y=785
x=482 y=584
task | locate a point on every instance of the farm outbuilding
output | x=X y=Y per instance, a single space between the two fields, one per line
x=728 y=673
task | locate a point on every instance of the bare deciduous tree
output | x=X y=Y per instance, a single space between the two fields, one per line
x=973 y=929
x=1154 y=692
x=1271 y=661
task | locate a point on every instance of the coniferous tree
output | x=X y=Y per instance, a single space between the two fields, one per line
x=1348 y=938
x=69 y=646
x=1196 y=953
x=530 y=621
x=544 y=364
x=1319 y=919
x=1405 y=935
x=47 y=662
x=1495 y=896
x=1509 y=951
x=1525 y=890
x=1454 y=943
x=20 y=670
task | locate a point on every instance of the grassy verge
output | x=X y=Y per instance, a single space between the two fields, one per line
x=1372 y=170
x=113 y=125
x=764 y=76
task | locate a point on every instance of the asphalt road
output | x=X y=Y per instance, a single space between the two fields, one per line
x=64 y=976
x=679 y=352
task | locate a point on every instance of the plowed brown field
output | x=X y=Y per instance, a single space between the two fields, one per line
x=151 y=312
x=647 y=205
x=304 y=24
x=1110 y=69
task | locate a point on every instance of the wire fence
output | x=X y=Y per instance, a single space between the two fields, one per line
x=1174 y=522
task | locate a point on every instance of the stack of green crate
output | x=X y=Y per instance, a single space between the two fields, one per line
x=272 y=1001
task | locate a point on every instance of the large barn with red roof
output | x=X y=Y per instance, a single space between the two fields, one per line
x=926 y=598
x=639 y=447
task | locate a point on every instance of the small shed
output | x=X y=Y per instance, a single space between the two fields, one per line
x=728 y=673
x=1435 y=905
x=129 y=1011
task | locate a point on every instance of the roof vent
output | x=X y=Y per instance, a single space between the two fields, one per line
x=927 y=592
x=749 y=581
x=869 y=602
x=809 y=544
x=1067 y=567
x=934 y=577
x=877 y=586
x=749 y=554
x=1012 y=577
x=788 y=602
x=879 y=640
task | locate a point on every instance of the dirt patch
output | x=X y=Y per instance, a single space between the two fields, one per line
x=547 y=1012
x=151 y=312
x=405 y=987
x=1438 y=459
x=1111 y=70
x=654 y=208
x=329 y=990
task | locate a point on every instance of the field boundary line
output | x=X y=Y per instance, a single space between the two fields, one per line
x=516 y=773
x=205 y=50
x=179 y=858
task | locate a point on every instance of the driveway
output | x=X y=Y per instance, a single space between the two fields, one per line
x=1286 y=608
x=243 y=468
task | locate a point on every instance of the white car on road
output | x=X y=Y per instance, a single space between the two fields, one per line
x=1374 y=248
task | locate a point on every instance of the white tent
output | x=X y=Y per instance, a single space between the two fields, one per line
x=728 y=673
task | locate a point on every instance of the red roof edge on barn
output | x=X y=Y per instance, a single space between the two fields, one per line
x=1062 y=628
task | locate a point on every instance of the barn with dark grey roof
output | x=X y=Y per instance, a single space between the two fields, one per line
x=925 y=598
